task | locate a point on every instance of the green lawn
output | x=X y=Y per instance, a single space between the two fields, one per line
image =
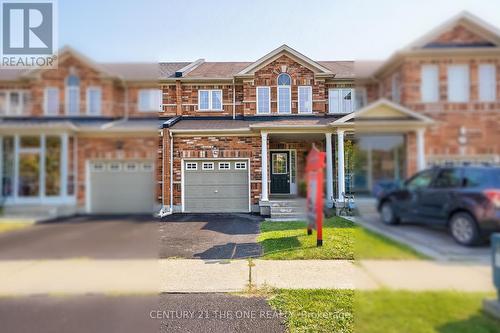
x=9 y=226
x=383 y=311
x=341 y=240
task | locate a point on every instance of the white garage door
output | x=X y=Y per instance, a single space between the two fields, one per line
x=216 y=186
x=121 y=187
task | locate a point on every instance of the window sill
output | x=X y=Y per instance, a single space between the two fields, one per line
x=215 y=110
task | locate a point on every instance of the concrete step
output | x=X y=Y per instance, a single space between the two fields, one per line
x=277 y=210
x=288 y=203
x=287 y=217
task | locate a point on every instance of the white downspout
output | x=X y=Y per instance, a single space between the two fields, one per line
x=171 y=173
x=234 y=99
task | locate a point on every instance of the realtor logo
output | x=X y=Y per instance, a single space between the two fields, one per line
x=28 y=33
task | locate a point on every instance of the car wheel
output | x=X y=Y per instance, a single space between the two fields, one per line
x=387 y=213
x=464 y=229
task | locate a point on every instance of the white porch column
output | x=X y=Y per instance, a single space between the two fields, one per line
x=264 y=195
x=420 y=149
x=64 y=165
x=329 y=170
x=340 y=164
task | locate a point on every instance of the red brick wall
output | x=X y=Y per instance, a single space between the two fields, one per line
x=459 y=35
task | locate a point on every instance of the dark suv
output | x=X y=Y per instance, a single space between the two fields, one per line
x=464 y=199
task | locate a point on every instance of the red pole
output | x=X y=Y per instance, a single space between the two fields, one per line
x=319 y=209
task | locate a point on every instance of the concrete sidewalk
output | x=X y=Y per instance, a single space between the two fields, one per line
x=19 y=278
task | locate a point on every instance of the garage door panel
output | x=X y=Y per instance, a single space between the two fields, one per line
x=120 y=191
x=216 y=190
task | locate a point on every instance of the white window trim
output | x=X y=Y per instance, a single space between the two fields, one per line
x=435 y=97
x=481 y=87
x=118 y=169
x=147 y=166
x=89 y=90
x=310 y=100
x=340 y=105
x=466 y=97
x=191 y=166
x=128 y=164
x=8 y=92
x=205 y=164
x=289 y=101
x=66 y=101
x=152 y=94
x=46 y=101
x=210 y=102
x=240 y=165
x=257 y=98
x=224 y=163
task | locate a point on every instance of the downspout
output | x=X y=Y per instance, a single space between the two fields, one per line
x=234 y=99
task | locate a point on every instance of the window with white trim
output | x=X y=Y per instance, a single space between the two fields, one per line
x=98 y=166
x=458 y=83
x=191 y=166
x=240 y=165
x=94 y=97
x=224 y=165
x=115 y=166
x=487 y=83
x=305 y=99
x=263 y=99
x=340 y=100
x=149 y=100
x=360 y=98
x=207 y=166
x=73 y=95
x=13 y=102
x=210 y=100
x=131 y=166
x=429 y=86
x=51 y=101
x=147 y=166
x=284 y=93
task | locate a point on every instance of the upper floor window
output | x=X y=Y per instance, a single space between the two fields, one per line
x=94 y=97
x=396 y=88
x=360 y=98
x=149 y=100
x=72 y=95
x=210 y=100
x=52 y=101
x=429 y=87
x=263 y=99
x=340 y=100
x=284 y=93
x=458 y=83
x=487 y=83
x=305 y=99
x=13 y=102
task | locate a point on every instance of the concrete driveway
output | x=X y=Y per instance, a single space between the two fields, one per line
x=209 y=236
x=96 y=237
x=436 y=243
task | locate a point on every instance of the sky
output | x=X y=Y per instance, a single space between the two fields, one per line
x=245 y=30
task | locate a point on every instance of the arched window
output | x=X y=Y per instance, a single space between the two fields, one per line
x=73 y=95
x=284 y=93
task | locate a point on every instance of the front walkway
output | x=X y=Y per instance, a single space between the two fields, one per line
x=77 y=277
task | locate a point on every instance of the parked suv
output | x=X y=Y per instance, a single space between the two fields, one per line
x=464 y=199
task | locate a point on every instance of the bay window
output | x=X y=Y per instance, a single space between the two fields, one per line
x=52 y=101
x=487 y=83
x=73 y=95
x=458 y=83
x=34 y=168
x=210 y=100
x=305 y=99
x=429 y=87
x=94 y=97
x=341 y=100
x=263 y=100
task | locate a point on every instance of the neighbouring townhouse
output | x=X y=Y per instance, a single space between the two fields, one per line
x=81 y=138
x=235 y=135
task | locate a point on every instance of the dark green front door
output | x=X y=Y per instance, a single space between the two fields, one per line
x=280 y=172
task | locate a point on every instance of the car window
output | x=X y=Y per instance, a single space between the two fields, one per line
x=421 y=180
x=448 y=178
x=482 y=177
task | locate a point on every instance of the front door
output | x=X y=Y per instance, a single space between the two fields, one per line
x=280 y=172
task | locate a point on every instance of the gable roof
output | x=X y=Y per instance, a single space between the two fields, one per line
x=472 y=22
x=276 y=53
x=392 y=111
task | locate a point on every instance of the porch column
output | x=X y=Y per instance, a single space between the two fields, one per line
x=263 y=158
x=340 y=164
x=329 y=170
x=420 y=149
x=64 y=165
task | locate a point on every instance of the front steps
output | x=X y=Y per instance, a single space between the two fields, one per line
x=37 y=212
x=287 y=210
